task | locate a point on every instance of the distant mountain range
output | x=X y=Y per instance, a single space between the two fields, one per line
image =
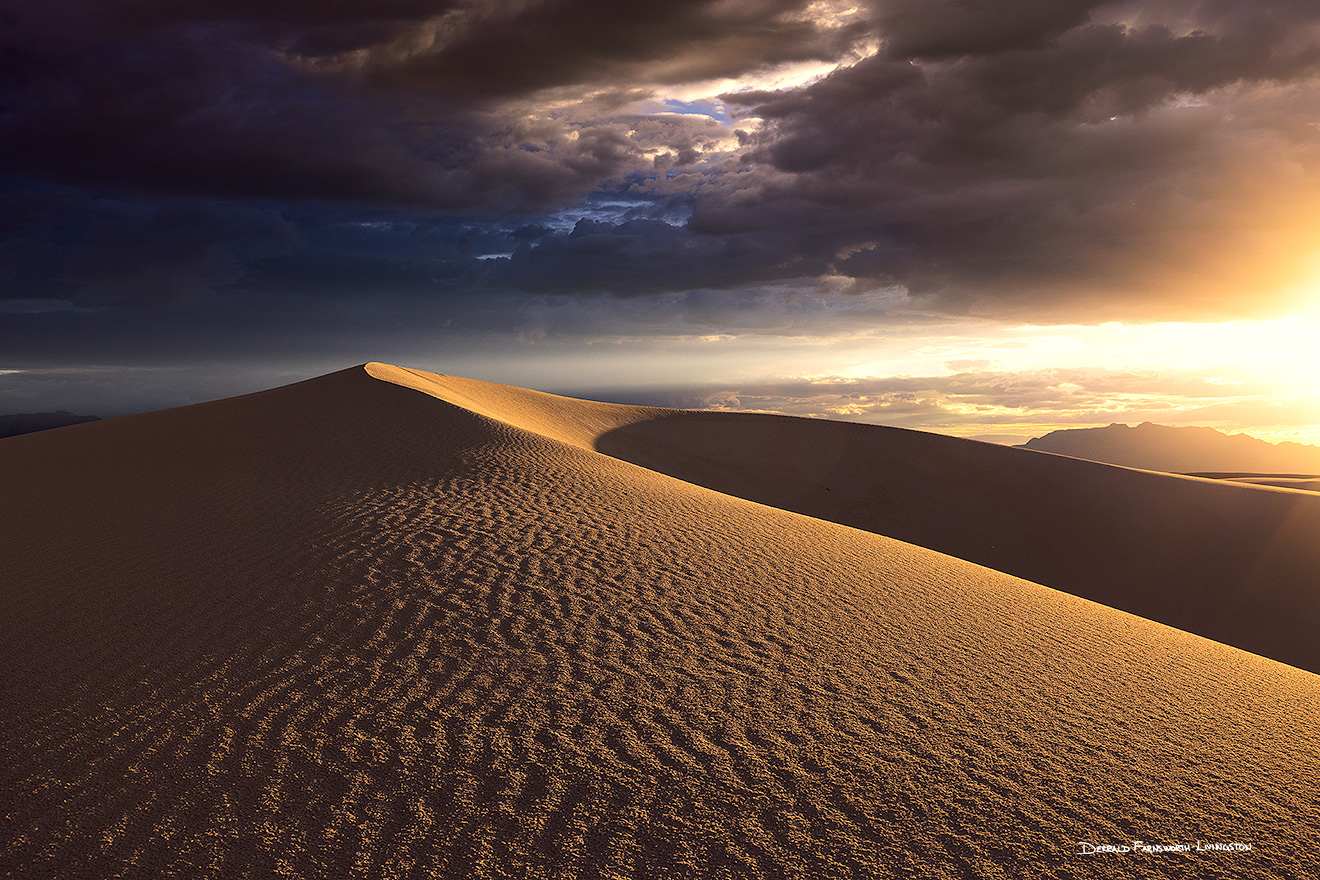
x=26 y=423
x=1182 y=450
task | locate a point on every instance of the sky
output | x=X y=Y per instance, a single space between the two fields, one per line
x=988 y=219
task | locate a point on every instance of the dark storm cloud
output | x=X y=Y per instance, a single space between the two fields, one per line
x=193 y=107
x=62 y=244
x=387 y=103
x=1051 y=161
x=943 y=28
x=154 y=255
x=566 y=42
x=302 y=13
x=1049 y=158
x=606 y=257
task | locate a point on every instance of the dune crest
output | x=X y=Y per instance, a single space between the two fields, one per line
x=341 y=629
x=578 y=423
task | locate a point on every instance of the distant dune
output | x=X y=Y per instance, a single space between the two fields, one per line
x=1181 y=450
x=26 y=423
x=346 y=629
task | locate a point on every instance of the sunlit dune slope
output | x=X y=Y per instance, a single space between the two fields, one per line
x=1303 y=482
x=1237 y=564
x=342 y=629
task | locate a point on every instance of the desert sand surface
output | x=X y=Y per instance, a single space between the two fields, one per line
x=1236 y=564
x=1303 y=482
x=1309 y=484
x=346 y=629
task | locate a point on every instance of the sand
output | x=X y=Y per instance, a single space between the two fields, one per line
x=1303 y=482
x=346 y=629
x=1238 y=565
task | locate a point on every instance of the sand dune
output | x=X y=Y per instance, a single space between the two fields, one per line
x=343 y=629
x=1303 y=482
x=1238 y=565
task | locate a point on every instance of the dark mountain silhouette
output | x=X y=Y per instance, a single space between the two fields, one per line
x=26 y=423
x=1181 y=450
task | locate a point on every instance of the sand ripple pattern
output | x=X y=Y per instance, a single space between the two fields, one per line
x=355 y=632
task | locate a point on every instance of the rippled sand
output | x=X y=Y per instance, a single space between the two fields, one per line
x=346 y=629
x=1238 y=565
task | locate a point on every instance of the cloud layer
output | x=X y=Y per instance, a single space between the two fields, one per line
x=1045 y=158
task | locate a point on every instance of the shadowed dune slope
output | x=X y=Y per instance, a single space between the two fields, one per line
x=340 y=629
x=1234 y=563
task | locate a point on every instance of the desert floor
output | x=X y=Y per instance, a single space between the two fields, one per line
x=385 y=623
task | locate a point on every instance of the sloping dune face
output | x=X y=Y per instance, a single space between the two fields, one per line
x=344 y=629
x=1280 y=481
x=1236 y=564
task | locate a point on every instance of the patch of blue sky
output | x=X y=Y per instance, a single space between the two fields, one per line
x=705 y=107
x=613 y=210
